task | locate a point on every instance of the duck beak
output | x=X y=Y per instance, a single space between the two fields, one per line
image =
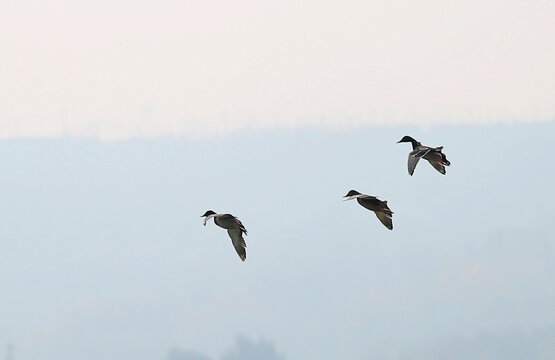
x=398 y=141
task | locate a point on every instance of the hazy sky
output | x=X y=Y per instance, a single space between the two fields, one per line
x=103 y=254
x=272 y=111
x=120 y=69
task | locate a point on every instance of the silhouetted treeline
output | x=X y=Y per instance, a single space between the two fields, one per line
x=538 y=345
x=244 y=349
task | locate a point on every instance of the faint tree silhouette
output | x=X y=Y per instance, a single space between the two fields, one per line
x=246 y=349
x=176 y=354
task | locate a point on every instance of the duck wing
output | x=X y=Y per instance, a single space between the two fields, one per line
x=385 y=214
x=241 y=226
x=436 y=160
x=414 y=156
x=438 y=166
x=380 y=208
x=369 y=202
x=236 y=235
x=386 y=219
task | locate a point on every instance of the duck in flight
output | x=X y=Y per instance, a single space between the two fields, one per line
x=234 y=228
x=380 y=208
x=435 y=156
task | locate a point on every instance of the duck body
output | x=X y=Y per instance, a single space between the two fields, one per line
x=379 y=207
x=435 y=156
x=235 y=230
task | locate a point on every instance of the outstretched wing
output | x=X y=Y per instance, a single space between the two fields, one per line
x=385 y=218
x=412 y=163
x=438 y=166
x=436 y=159
x=385 y=214
x=380 y=208
x=238 y=242
x=414 y=156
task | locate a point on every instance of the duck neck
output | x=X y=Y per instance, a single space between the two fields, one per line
x=210 y=217
x=415 y=144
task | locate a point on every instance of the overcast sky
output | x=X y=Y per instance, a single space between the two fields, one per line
x=121 y=122
x=103 y=254
x=121 y=69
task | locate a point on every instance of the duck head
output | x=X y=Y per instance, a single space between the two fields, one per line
x=414 y=143
x=407 y=138
x=352 y=194
x=207 y=216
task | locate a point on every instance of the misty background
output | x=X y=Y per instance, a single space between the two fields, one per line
x=103 y=253
x=127 y=69
x=121 y=122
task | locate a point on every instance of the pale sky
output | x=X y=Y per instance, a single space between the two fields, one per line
x=122 y=69
x=102 y=250
x=103 y=255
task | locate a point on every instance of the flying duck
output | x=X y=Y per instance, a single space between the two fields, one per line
x=234 y=228
x=383 y=212
x=433 y=155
